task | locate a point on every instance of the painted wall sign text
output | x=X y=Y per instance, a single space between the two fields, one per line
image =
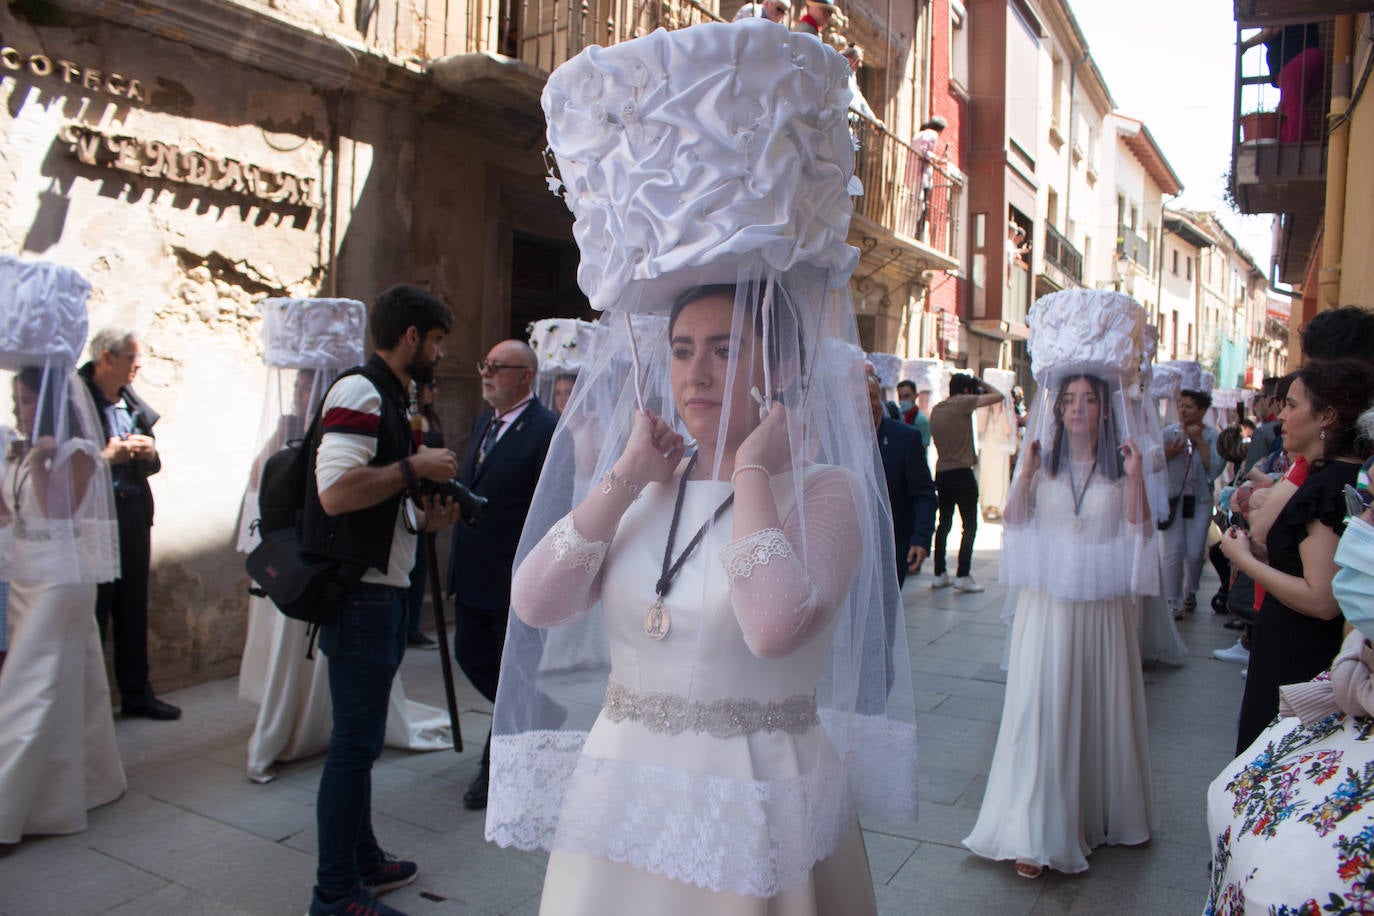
x=156 y=159
x=112 y=84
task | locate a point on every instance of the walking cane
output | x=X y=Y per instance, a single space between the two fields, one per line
x=436 y=593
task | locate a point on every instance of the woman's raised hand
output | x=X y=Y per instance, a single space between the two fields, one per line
x=1132 y=459
x=769 y=444
x=653 y=451
x=1033 y=459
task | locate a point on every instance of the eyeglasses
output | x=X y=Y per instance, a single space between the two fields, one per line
x=1356 y=500
x=487 y=367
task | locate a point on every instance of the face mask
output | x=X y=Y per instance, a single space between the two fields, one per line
x=906 y=405
x=1353 y=584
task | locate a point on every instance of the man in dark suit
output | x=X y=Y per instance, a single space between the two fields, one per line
x=909 y=487
x=504 y=456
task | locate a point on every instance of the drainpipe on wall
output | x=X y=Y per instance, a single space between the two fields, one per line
x=1338 y=149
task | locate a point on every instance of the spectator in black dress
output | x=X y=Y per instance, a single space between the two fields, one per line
x=1298 y=629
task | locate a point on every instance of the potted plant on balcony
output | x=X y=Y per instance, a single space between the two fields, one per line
x=1260 y=126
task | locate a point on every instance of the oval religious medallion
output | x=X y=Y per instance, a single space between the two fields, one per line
x=657 y=621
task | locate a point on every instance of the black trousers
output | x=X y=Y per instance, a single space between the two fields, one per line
x=121 y=606
x=957 y=488
x=478 y=638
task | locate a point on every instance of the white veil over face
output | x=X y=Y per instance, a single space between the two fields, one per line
x=306 y=343
x=562 y=346
x=57 y=521
x=1075 y=526
x=734 y=706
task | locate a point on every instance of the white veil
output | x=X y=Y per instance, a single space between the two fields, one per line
x=711 y=190
x=1083 y=343
x=306 y=343
x=57 y=521
x=562 y=346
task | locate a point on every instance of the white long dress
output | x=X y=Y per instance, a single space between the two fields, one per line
x=292 y=694
x=994 y=458
x=1072 y=766
x=705 y=657
x=58 y=754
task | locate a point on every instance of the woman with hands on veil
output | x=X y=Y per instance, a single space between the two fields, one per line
x=731 y=549
x=1071 y=769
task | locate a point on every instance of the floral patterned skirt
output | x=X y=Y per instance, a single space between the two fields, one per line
x=1293 y=824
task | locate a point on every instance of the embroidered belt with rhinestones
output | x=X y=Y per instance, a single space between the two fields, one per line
x=671 y=714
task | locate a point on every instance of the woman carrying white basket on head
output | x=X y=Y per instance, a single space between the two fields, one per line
x=1072 y=765
x=733 y=548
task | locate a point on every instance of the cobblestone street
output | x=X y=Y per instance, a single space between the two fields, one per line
x=194 y=836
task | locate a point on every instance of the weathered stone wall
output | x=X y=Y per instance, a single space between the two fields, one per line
x=398 y=197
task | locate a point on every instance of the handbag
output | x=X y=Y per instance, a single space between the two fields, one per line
x=303 y=587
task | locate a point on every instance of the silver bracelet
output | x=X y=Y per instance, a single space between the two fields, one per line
x=610 y=480
x=750 y=467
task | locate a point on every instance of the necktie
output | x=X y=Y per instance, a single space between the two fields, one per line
x=489 y=439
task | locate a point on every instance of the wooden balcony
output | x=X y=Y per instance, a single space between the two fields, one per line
x=509 y=47
x=1252 y=13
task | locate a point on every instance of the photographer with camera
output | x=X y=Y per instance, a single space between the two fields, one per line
x=1190 y=446
x=363 y=507
x=505 y=453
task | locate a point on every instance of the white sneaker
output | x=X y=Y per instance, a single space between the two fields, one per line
x=966 y=584
x=1237 y=653
x=940 y=581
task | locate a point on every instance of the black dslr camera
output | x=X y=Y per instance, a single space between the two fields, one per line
x=469 y=503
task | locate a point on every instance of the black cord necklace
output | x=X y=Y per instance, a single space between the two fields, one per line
x=1077 y=496
x=657 y=621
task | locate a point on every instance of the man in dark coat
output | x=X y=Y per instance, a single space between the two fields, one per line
x=505 y=453
x=121 y=606
x=910 y=489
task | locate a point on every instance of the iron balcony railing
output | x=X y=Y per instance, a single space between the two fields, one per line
x=1279 y=129
x=1060 y=252
x=903 y=191
x=1133 y=245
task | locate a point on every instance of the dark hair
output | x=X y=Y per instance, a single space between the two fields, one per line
x=963 y=383
x=403 y=307
x=936 y=123
x=1283 y=384
x=907 y=383
x=1202 y=399
x=1344 y=332
x=1108 y=464
x=47 y=385
x=1345 y=386
x=1270 y=385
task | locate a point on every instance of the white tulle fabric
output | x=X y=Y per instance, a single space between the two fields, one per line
x=60 y=528
x=42 y=313
x=312 y=333
x=683 y=149
x=1189 y=372
x=889 y=369
x=929 y=375
x=1097 y=330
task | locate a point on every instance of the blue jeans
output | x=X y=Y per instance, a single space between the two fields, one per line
x=364 y=645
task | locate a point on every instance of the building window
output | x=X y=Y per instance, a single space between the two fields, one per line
x=1057 y=92
x=1173 y=268
x=1188 y=262
x=958 y=43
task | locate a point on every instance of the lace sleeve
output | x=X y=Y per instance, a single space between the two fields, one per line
x=780 y=601
x=559 y=579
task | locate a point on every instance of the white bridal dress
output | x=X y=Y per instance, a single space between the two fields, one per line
x=58 y=755
x=292 y=694
x=1072 y=765
x=705 y=657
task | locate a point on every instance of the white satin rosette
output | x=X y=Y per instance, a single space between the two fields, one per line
x=42 y=313
x=1100 y=331
x=701 y=146
x=312 y=333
